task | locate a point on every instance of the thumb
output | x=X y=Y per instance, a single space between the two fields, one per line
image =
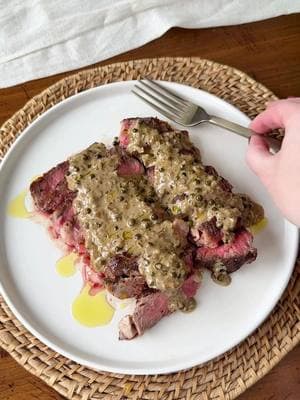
x=259 y=159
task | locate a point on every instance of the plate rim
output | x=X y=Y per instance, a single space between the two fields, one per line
x=131 y=370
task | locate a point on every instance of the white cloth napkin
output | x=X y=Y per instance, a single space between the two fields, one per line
x=44 y=37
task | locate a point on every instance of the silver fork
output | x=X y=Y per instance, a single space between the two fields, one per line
x=186 y=113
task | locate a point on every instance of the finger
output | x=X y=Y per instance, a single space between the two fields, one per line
x=259 y=158
x=268 y=120
x=277 y=115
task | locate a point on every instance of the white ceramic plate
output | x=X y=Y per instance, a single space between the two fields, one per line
x=42 y=300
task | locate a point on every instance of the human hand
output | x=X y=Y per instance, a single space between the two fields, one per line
x=280 y=173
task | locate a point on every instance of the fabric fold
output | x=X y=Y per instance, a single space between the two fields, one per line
x=39 y=38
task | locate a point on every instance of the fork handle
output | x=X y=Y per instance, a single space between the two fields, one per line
x=273 y=143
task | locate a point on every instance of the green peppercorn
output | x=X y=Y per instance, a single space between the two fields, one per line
x=145 y=223
x=131 y=222
x=153 y=217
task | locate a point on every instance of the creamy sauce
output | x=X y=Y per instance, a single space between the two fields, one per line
x=94 y=310
x=17 y=208
x=119 y=215
x=66 y=266
x=183 y=185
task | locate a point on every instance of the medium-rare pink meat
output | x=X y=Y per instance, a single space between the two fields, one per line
x=53 y=201
x=124 y=247
x=123 y=279
x=143 y=219
x=194 y=192
x=50 y=192
x=151 y=308
x=148 y=311
x=230 y=256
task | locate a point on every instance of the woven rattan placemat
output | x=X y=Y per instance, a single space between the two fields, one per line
x=222 y=378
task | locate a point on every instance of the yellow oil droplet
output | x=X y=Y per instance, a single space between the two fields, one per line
x=255 y=229
x=90 y=310
x=16 y=208
x=65 y=266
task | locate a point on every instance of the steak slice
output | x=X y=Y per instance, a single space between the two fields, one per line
x=148 y=311
x=123 y=279
x=151 y=308
x=53 y=201
x=207 y=235
x=230 y=256
x=50 y=192
x=217 y=216
x=155 y=123
x=226 y=186
x=120 y=274
x=129 y=166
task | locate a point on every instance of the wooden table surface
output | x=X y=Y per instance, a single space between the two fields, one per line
x=269 y=51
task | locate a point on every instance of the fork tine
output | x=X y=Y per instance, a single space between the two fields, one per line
x=167 y=99
x=169 y=93
x=161 y=103
x=153 y=105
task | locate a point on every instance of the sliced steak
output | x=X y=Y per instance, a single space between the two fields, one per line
x=226 y=186
x=231 y=256
x=150 y=309
x=194 y=192
x=50 y=192
x=155 y=123
x=53 y=200
x=191 y=285
x=181 y=228
x=123 y=279
x=207 y=235
x=130 y=166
